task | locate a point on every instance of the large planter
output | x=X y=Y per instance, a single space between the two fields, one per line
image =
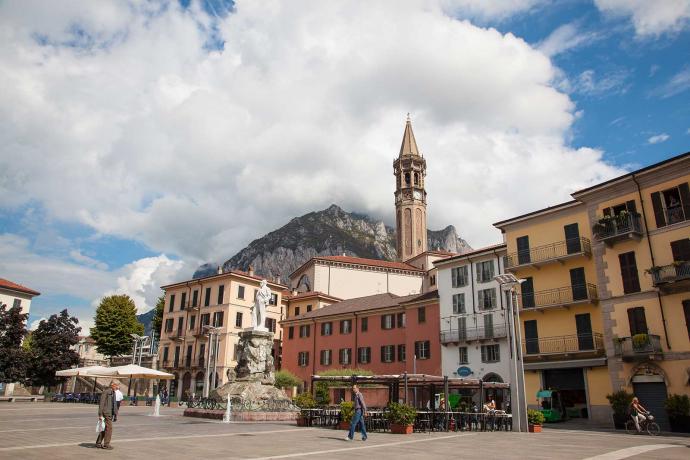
x=680 y=424
x=534 y=428
x=302 y=421
x=343 y=425
x=619 y=421
x=401 y=429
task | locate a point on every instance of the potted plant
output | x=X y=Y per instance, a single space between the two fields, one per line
x=534 y=420
x=678 y=410
x=640 y=341
x=347 y=411
x=304 y=401
x=401 y=418
x=620 y=402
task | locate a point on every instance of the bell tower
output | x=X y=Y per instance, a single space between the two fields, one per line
x=410 y=197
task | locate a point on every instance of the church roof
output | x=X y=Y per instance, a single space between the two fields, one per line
x=409 y=144
x=385 y=264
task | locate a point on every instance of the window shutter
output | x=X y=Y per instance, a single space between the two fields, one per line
x=631 y=280
x=342 y=326
x=658 y=210
x=428 y=349
x=493 y=298
x=416 y=349
x=307 y=329
x=630 y=206
x=454 y=277
x=684 y=190
x=383 y=354
x=480 y=299
x=383 y=321
x=607 y=211
x=681 y=250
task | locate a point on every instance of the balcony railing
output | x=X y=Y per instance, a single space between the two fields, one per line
x=473 y=334
x=550 y=253
x=616 y=228
x=166 y=363
x=669 y=277
x=564 y=345
x=639 y=347
x=560 y=297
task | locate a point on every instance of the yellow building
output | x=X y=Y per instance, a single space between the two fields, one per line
x=560 y=316
x=641 y=224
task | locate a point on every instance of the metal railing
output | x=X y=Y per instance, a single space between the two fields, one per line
x=564 y=344
x=550 y=252
x=638 y=346
x=471 y=334
x=618 y=227
x=671 y=273
x=561 y=296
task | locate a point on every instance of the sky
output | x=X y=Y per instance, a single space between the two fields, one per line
x=139 y=139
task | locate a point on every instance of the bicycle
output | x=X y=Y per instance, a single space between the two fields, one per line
x=648 y=425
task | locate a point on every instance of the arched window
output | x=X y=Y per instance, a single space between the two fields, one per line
x=304 y=284
x=407 y=178
x=416 y=178
x=492 y=377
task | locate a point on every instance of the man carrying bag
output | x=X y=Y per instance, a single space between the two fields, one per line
x=107 y=409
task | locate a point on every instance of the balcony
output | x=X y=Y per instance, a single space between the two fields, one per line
x=640 y=347
x=673 y=278
x=563 y=347
x=548 y=253
x=560 y=297
x=178 y=335
x=452 y=335
x=618 y=228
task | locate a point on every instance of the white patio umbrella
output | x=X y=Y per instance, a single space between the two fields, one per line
x=87 y=371
x=131 y=371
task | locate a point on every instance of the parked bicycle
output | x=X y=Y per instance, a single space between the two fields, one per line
x=648 y=425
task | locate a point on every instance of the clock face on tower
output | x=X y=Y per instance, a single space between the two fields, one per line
x=417 y=195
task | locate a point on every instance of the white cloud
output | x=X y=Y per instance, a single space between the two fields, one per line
x=77 y=256
x=658 y=138
x=147 y=135
x=590 y=84
x=650 y=18
x=677 y=84
x=565 y=38
x=34 y=324
x=490 y=10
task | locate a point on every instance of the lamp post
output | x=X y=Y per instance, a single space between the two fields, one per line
x=508 y=283
x=210 y=377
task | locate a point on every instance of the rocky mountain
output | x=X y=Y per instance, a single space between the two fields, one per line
x=145 y=319
x=325 y=233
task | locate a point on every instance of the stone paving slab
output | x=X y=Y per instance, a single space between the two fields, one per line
x=67 y=431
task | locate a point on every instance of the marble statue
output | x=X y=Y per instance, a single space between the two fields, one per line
x=263 y=297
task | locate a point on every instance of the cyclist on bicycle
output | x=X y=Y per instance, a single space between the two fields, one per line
x=638 y=413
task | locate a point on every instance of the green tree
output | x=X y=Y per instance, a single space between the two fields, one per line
x=51 y=348
x=286 y=379
x=13 y=357
x=157 y=320
x=116 y=320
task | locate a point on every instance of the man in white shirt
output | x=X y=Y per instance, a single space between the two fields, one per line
x=118 y=400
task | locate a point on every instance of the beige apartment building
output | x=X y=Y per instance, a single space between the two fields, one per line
x=223 y=301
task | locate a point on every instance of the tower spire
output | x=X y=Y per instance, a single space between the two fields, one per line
x=409 y=144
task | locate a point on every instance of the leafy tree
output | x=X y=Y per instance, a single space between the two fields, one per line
x=116 y=320
x=51 y=349
x=157 y=320
x=13 y=358
x=286 y=379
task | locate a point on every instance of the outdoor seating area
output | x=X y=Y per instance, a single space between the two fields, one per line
x=428 y=395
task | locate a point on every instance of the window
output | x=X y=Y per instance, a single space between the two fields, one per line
x=486 y=298
x=421 y=315
x=218 y=319
x=485 y=271
x=274 y=299
x=523 y=252
x=207 y=297
x=346 y=326
x=172 y=303
x=308 y=308
x=527 y=292
x=327 y=328
x=296 y=311
x=459 y=276
x=637 y=321
x=686 y=312
x=462 y=355
x=304 y=330
x=387 y=353
x=422 y=349
x=364 y=355
x=365 y=324
x=169 y=324
x=270 y=324
x=338 y=395
x=432 y=280
x=400 y=319
x=491 y=353
x=240 y=292
x=238 y=319
x=195 y=297
x=192 y=322
x=681 y=250
x=291 y=332
x=387 y=322
x=326 y=357
x=183 y=301
x=205 y=318
x=166 y=351
x=401 y=353
x=180 y=325
x=631 y=280
x=202 y=352
x=221 y=292
x=303 y=359
x=671 y=206
x=488 y=326
x=345 y=356
x=17 y=303
x=188 y=358
x=531 y=337
x=459 y=304
x=177 y=357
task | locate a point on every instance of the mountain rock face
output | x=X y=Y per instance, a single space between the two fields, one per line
x=146 y=319
x=329 y=232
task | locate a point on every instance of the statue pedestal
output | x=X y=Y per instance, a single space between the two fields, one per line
x=254 y=359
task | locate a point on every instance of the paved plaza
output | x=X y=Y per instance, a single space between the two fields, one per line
x=67 y=431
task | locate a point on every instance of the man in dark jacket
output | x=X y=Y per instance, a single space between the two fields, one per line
x=107 y=409
x=358 y=417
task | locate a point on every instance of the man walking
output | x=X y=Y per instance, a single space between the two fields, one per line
x=358 y=417
x=107 y=409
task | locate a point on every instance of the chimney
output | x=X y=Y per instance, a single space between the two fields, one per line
x=250 y=272
x=220 y=270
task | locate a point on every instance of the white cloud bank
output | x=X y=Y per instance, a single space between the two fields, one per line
x=133 y=127
x=658 y=138
x=650 y=18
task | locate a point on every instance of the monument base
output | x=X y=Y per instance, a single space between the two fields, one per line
x=244 y=416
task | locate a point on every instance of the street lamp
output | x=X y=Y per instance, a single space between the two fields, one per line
x=508 y=283
x=139 y=343
x=210 y=377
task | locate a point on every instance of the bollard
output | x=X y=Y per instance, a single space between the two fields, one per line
x=226 y=417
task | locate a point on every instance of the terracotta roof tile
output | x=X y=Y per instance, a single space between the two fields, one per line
x=304 y=295
x=7 y=284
